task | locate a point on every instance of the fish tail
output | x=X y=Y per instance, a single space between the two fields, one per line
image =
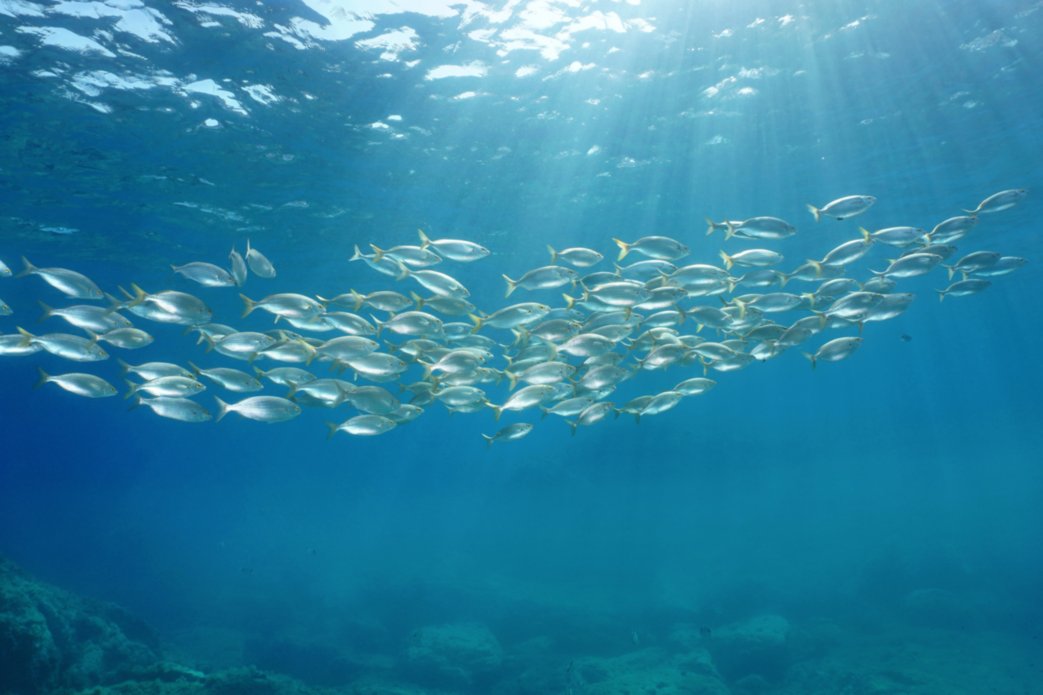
x=941 y=295
x=711 y=226
x=358 y=299
x=248 y=305
x=247 y=246
x=378 y=252
x=811 y=358
x=782 y=278
x=48 y=312
x=572 y=425
x=512 y=379
x=27 y=337
x=137 y=401
x=427 y=367
x=132 y=388
x=418 y=299
x=817 y=265
x=195 y=369
x=951 y=269
x=488 y=440
x=570 y=301
x=44 y=378
x=511 y=286
x=742 y=307
x=222 y=409
x=497 y=410
x=972 y=213
x=477 y=322
x=357 y=256
x=553 y=254
x=403 y=271
x=123 y=365
x=424 y=241
x=332 y=427
x=730 y=231
x=27 y=268
x=624 y=249
x=866 y=234
x=814 y=211
x=728 y=263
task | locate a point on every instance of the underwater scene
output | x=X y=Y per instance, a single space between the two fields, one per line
x=521 y=347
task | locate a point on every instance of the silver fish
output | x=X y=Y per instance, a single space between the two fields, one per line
x=834 y=351
x=206 y=274
x=86 y=385
x=69 y=347
x=658 y=247
x=509 y=433
x=843 y=208
x=68 y=282
x=963 y=288
x=260 y=408
x=259 y=265
x=455 y=249
x=363 y=425
x=577 y=256
x=181 y=409
x=999 y=201
x=238 y=267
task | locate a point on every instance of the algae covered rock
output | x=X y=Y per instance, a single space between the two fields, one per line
x=650 y=671
x=50 y=638
x=758 y=646
x=457 y=653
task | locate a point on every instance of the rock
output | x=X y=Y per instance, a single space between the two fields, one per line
x=50 y=638
x=650 y=671
x=458 y=654
x=757 y=646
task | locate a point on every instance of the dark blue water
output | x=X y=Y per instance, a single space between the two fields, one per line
x=832 y=493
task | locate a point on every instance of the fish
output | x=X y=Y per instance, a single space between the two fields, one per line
x=963 y=288
x=363 y=426
x=576 y=256
x=547 y=277
x=15 y=345
x=846 y=253
x=231 y=379
x=695 y=386
x=167 y=386
x=206 y=274
x=528 y=397
x=386 y=265
x=896 y=236
x=454 y=249
x=181 y=409
x=843 y=208
x=172 y=306
x=509 y=433
x=592 y=414
x=1004 y=200
x=69 y=347
x=87 y=317
x=657 y=247
x=86 y=385
x=286 y=304
x=437 y=282
x=910 y=266
x=154 y=370
x=69 y=282
x=952 y=229
x=834 y=351
x=761 y=228
x=128 y=338
x=412 y=256
x=758 y=258
x=417 y=323
x=1004 y=266
x=259 y=264
x=974 y=263
x=238 y=271
x=511 y=317
x=260 y=408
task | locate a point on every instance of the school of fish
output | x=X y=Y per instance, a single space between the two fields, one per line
x=564 y=359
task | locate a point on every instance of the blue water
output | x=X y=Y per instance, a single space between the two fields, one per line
x=831 y=493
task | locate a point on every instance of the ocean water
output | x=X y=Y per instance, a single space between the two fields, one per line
x=889 y=507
